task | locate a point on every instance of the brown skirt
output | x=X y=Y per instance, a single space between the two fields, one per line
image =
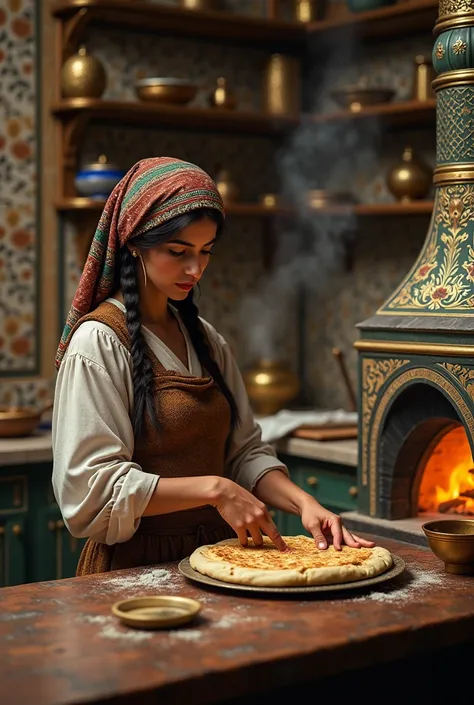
x=158 y=539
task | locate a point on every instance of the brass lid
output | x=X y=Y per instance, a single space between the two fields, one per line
x=156 y=611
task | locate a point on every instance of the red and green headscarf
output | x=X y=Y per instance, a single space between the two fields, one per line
x=151 y=192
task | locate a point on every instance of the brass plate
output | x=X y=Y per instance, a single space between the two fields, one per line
x=397 y=568
x=156 y=611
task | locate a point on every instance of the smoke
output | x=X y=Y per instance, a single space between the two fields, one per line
x=311 y=246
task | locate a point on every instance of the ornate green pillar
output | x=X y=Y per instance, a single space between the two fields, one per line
x=440 y=285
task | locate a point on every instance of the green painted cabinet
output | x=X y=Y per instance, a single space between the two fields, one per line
x=333 y=485
x=34 y=542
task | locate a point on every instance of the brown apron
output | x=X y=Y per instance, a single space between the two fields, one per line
x=194 y=425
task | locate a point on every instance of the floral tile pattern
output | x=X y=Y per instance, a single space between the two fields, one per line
x=18 y=261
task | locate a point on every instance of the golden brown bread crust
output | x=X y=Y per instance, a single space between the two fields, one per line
x=304 y=564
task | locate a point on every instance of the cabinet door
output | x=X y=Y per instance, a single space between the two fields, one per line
x=59 y=550
x=13 y=570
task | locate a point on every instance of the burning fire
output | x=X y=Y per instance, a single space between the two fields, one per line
x=448 y=479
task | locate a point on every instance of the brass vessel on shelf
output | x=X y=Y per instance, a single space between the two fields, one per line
x=82 y=76
x=166 y=90
x=226 y=186
x=271 y=200
x=452 y=541
x=355 y=98
x=222 y=97
x=198 y=4
x=305 y=10
x=325 y=198
x=270 y=385
x=410 y=179
x=423 y=77
x=281 y=85
x=18 y=421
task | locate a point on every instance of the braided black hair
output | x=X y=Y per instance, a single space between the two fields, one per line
x=143 y=388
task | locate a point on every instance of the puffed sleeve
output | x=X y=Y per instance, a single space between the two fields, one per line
x=249 y=458
x=101 y=492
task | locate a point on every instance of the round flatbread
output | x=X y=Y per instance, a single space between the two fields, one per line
x=304 y=564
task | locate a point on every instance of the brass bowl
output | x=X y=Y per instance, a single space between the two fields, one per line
x=270 y=384
x=166 y=90
x=452 y=540
x=354 y=99
x=18 y=421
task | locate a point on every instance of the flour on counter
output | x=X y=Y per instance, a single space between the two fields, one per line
x=422 y=580
x=110 y=631
x=187 y=635
x=230 y=620
x=147 y=578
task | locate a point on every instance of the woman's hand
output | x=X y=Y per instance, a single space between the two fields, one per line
x=245 y=513
x=325 y=526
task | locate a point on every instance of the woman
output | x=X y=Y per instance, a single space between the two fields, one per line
x=155 y=447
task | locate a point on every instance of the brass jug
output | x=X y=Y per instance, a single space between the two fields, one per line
x=410 y=179
x=281 y=85
x=222 y=97
x=423 y=77
x=82 y=76
x=226 y=186
x=270 y=385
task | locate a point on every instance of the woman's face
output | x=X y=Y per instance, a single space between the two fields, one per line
x=175 y=266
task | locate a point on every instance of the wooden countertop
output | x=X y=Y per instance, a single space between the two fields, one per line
x=37 y=449
x=59 y=643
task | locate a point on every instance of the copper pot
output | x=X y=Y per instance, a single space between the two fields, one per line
x=17 y=421
x=270 y=385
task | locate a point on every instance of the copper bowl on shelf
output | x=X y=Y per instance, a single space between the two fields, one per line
x=354 y=99
x=174 y=91
x=18 y=421
x=452 y=541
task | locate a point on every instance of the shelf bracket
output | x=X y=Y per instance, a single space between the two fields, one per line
x=73 y=29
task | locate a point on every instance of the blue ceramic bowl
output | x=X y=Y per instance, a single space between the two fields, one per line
x=97 y=183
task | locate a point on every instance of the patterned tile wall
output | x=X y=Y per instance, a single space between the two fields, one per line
x=18 y=273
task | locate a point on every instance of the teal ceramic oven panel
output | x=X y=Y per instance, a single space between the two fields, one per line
x=454 y=50
x=454 y=125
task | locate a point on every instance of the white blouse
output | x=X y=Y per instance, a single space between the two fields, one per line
x=101 y=492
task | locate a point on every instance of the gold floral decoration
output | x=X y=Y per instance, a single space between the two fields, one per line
x=442 y=279
x=463 y=375
x=439 y=51
x=375 y=372
x=459 y=47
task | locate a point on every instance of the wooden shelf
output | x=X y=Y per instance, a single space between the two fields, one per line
x=91 y=205
x=201 y=119
x=404 y=17
x=396 y=208
x=410 y=112
x=178 y=21
x=256 y=210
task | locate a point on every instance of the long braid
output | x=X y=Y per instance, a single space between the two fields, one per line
x=142 y=368
x=189 y=314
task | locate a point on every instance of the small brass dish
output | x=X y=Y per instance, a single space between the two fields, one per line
x=452 y=540
x=354 y=99
x=156 y=611
x=18 y=421
x=166 y=90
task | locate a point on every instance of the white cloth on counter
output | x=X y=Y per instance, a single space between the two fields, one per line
x=285 y=421
x=101 y=492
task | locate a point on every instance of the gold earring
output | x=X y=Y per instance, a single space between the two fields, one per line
x=134 y=253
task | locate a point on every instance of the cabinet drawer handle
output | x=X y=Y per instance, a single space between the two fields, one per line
x=312 y=481
x=353 y=491
x=17 y=530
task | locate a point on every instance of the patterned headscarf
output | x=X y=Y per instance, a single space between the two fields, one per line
x=152 y=192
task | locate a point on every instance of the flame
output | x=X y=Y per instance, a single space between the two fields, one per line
x=447 y=474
